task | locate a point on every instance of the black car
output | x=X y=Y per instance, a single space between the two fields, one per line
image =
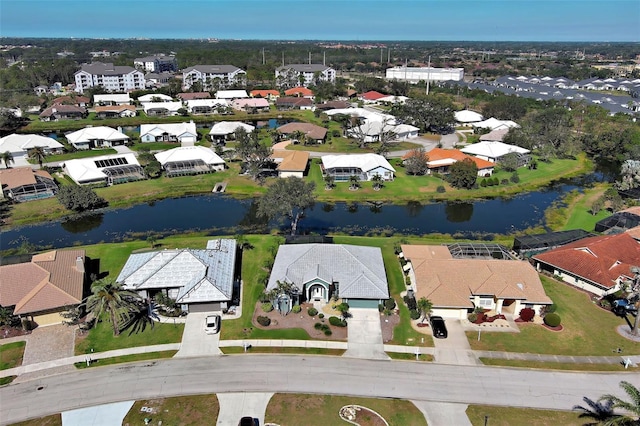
x=248 y=421
x=438 y=327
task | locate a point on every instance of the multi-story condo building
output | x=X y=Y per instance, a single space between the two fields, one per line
x=112 y=78
x=213 y=77
x=293 y=75
x=416 y=74
x=156 y=63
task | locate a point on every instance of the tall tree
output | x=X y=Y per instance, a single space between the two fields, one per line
x=631 y=408
x=424 y=306
x=254 y=155
x=431 y=113
x=79 y=198
x=287 y=198
x=417 y=162
x=38 y=154
x=6 y=158
x=141 y=314
x=600 y=412
x=108 y=297
x=463 y=174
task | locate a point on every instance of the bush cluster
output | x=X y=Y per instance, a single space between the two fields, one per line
x=414 y=314
x=323 y=327
x=410 y=302
x=296 y=309
x=552 y=319
x=264 y=321
x=440 y=189
x=267 y=307
x=390 y=304
x=312 y=312
x=337 y=322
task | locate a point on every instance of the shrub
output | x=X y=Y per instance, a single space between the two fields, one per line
x=267 y=307
x=411 y=302
x=514 y=177
x=552 y=319
x=312 y=312
x=483 y=183
x=495 y=181
x=414 y=314
x=264 y=321
x=527 y=314
x=389 y=304
x=407 y=281
x=337 y=322
x=440 y=189
x=387 y=312
x=380 y=307
x=296 y=309
x=504 y=182
x=472 y=317
x=327 y=332
x=549 y=309
x=605 y=303
x=320 y=315
x=318 y=326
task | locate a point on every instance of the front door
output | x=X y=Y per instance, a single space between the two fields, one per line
x=317 y=293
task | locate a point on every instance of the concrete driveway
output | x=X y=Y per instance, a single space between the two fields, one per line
x=455 y=348
x=195 y=342
x=234 y=406
x=365 y=334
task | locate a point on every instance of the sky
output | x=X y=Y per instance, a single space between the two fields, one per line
x=422 y=20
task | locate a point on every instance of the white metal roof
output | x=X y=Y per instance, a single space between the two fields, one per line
x=467 y=116
x=231 y=94
x=364 y=113
x=177 y=129
x=492 y=149
x=112 y=97
x=95 y=133
x=493 y=124
x=169 y=106
x=189 y=153
x=364 y=162
x=16 y=142
x=154 y=97
x=206 y=102
x=87 y=169
x=228 y=127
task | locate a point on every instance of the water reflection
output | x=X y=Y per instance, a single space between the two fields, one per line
x=458 y=211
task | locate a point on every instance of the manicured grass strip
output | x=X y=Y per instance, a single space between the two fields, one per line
x=193 y=410
x=126 y=358
x=6 y=380
x=322 y=410
x=558 y=365
x=508 y=416
x=273 y=350
x=101 y=338
x=52 y=420
x=587 y=329
x=409 y=357
x=11 y=354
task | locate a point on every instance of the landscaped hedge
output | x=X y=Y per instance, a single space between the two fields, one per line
x=335 y=321
x=389 y=304
x=552 y=319
x=264 y=321
x=312 y=312
x=267 y=307
x=296 y=309
x=414 y=314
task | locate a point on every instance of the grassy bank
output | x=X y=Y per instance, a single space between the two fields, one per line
x=558 y=365
x=11 y=354
x=508 y=416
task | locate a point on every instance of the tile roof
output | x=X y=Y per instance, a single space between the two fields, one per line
x=16 y=177
x=298 y=91
x=264 y=93
x=115 y=108
x=372 y=95
x=61 y=108
x=194 y=95
x=291 y=100
x=51 y=280
x=601 y=259
x=442 y=157
x=310 y=130
x=450 y=283
x=291 y=161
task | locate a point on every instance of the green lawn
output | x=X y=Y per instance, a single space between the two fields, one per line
x=409 y=357
x=52 y=420
x=125 y=358
x=11 y=354
x=588 y=329
x=509 y=416
x=193 y=410
x=558 y=365
x=579 y=216
x=282 y=350
x=101 y=338
x=322 y=410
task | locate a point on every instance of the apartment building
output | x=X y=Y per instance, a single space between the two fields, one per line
x=112 y=78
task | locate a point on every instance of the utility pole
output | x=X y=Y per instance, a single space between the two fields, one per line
x=309 y=58
x=283 y=58
x=324 y=58
x=388 y=55
x=381 y=49
x=263 y=56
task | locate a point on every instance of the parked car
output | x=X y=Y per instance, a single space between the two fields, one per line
x=248 y=421
x=212 y=324
x=438 y=327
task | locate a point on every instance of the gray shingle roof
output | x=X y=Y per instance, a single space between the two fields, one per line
x=358 y=270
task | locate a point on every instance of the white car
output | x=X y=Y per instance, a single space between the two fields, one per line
x=212 y=324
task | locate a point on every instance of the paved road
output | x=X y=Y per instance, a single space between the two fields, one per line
x=277 y=373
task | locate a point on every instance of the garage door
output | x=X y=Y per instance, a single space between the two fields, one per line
x=362 y=303
x=204 y=307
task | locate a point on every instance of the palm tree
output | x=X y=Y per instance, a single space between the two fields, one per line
x=6 y=158
x=109 y=297
x=425 y=306
x=354 y=181
x=631 y=408
x=377 y=182
x=141 y=314
x=599 y=412
x=328 y=181
x=38 y=154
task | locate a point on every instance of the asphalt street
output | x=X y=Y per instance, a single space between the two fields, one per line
x=304 y=374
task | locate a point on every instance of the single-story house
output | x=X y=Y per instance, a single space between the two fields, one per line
x=111 y=99
x=20 y=145
x=467 y=116
x=495 y=124
x=365 y=166
x=169 y=132
x=291 y=102
x=270 y=94
x=230 y=95
x=313 y=133
x=290 y=163
x=26 y=184
x=225 y=130
x=190 y=96
x=372 y=130
x=251 y=105
x=154 y=98
x=392 y=99
x=109 y=169
x=161 y=109
x=198 y=280
x=439 y=161
x=493 y=151
x=371 y=96
x=326 y=106
x=596 y=264
x=189 y=160
x=356 y=274
x=457 y=286
x=364 y=114
x=115 y=111
x=299 y=92
x=43 y=288
x=81 y=101
x=494 y=135
x=205 y=106
x=63 y=112
x=96 y=137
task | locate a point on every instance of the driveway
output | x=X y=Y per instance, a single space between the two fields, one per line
x=234 y=406
x=455 y=348
x=365 y=334
x=195 y=342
